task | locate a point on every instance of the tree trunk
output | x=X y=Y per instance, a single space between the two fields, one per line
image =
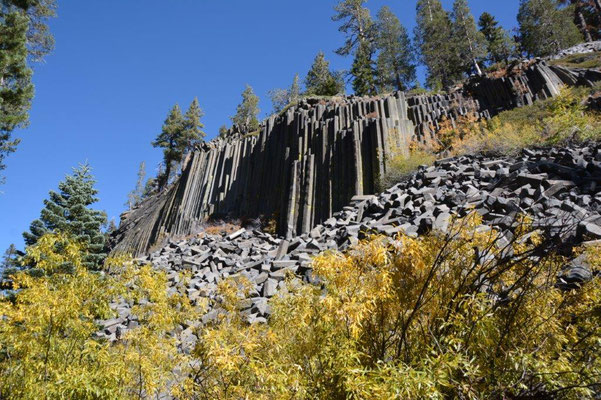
x=598 y=5
x=399 y=84
x=165 y=179
x=478 y=70
x=582 y=24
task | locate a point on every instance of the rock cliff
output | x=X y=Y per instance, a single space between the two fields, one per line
x=307 y=163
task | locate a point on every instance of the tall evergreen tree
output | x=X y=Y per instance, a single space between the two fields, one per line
x=16 y=88
x=135 y=196
x=500 y=44
x=247 y=111
x=357 y=24
x=363 y=72
x=24 y=36
x=193 y=129
x=180 y=134
x=433 y=36
x=396 y=58
x=170 y=141
x=579 y=7
x=470 y=42
x=544 y=28
x=320 y=81
x=68 y=211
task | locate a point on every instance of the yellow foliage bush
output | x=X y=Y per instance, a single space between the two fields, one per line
x=401 y=166
x=48 y=347
x=549 y=122
x=438 y=317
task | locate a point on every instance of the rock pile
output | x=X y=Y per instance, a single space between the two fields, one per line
x=560 y=188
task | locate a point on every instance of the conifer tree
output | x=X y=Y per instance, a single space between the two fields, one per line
x=170 y=141
x=10 y=259
x=67 y=211
x=247 y=111
x=433 y=36
x=396 y=59
x=180 y=134
x=500 y=44
x=579 y=8
x=150 y=187
x=223 y=131
x=193 y=128
x=544 y=28
x=357 y=24
x=24 y=36
x=470 y=42
x=16 y=89
x=320 y=81
x=363 y=71
x=137 y=195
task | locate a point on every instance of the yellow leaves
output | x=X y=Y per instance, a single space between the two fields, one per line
x=438 y=317
x=48 y=347
x=432 y=317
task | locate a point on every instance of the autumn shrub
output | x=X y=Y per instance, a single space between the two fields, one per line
x=554 y=121
x=48 y=343
x=463 y=315
x=400 y=166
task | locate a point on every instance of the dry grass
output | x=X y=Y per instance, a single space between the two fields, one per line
x=588 y=60
x=223 y=228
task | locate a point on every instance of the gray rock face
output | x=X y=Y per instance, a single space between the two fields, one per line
x=309 y=162
x=559 y=188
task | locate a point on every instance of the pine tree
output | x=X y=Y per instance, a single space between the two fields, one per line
x=579 y=8
x=470 y=42
x=363 y=71
x=544 y=28
x=320 y=81
x=193 y=132
x=223 y=131
x=357 y=24
x=23 y=35
x=137 y=195
x=150 y=188
x=68 y=211
x=396 y=59
x=16 y=89
x=10 y=259
x=433 y=36
x=170 y=141
x=247 y=112
x=500 y=44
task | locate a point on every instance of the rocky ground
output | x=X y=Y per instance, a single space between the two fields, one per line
x=558 y=187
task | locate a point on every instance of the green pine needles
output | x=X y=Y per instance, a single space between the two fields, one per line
x=68 y=211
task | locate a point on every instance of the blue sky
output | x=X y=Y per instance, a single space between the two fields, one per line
x=119 y=66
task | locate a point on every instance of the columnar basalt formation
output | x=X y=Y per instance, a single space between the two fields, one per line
x=310 y=161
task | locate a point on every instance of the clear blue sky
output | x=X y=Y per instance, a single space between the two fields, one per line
x=119 y=65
